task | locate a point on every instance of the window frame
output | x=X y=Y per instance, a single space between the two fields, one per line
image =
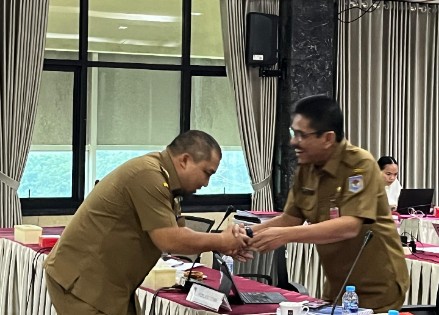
x=68 y=206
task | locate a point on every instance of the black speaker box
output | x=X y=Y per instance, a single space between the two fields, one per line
x=261 y=39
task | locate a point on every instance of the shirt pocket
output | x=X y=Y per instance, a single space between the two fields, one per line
x=324 y=204
x=307 y=205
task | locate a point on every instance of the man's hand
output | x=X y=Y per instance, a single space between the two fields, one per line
x=267 y=239
x=234 y=239
x=243 y=255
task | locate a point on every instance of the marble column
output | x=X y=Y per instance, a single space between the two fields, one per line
x=307 y=53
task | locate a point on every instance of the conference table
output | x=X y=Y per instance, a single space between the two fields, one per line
x=22 y=265
x=420 y=228
x=23 y=287
x=304 y=267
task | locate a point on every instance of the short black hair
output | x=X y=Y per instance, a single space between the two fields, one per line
x=385 y=160
x=197 y=143
x=323 y=112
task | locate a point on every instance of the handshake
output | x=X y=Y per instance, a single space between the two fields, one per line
x=237 y=238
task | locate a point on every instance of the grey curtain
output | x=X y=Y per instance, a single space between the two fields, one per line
x=255 y=98
x=22 y=40
x=388 y=84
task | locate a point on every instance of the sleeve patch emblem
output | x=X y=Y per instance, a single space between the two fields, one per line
x=356 y=183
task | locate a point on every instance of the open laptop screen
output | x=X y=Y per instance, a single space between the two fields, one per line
x=418 y=199
x=227 y=284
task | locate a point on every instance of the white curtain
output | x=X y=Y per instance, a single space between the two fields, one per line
x=388 y=84
x=255 y=96
x=22 y=38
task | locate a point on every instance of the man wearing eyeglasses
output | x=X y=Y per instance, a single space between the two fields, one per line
x=339 y=195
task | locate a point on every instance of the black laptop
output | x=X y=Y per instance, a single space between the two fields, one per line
x=227 y=285
x=418 y=199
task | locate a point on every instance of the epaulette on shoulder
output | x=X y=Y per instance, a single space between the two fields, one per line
x=166 y=175
x=164 y=172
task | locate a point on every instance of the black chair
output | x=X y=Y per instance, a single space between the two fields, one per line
x=282 y=273
x=197 y=224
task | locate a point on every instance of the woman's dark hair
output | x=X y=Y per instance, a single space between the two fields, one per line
x=384 y=160
x=323 y=112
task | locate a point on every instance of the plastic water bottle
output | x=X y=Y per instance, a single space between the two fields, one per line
x=229 y=263
x=393 y=312
x=349 y=301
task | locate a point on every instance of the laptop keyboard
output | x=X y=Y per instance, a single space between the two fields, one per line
x=262 y=297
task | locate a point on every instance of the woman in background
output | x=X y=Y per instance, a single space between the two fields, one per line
x=389 y=170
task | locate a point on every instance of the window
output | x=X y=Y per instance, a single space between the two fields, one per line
x=134 y=83
x=48 y=169
x=213 y=110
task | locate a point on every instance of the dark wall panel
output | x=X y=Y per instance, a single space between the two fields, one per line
x=307 y=51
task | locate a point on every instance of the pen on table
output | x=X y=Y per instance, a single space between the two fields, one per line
x=178 y=264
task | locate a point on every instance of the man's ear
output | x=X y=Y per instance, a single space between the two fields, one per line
x=330 y=138
x=183 y=160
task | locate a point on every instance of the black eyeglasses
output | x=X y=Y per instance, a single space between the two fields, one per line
x=299 y=135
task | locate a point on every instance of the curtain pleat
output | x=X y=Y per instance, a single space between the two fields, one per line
x=387 y=85
x=22 y=40
x=255 y=98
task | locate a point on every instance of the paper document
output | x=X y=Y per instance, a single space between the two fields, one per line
x=429 y=249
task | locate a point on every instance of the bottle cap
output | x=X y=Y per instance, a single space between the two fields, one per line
x=393 y=312
x=350 y=288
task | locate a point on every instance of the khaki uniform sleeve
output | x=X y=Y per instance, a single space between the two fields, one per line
x=291 y=208
x=152 y=199
x=362 y=203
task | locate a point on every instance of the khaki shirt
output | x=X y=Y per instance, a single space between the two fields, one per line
x=351 y=182
x=105 y=252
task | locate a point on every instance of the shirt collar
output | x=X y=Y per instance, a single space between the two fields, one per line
x=332 y=165
x=169 y=168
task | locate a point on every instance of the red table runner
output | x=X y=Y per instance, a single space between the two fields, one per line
x=244 y=285
x=424 y=256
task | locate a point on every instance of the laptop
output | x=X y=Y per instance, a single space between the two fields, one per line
x=228 y=284
x=418 y=199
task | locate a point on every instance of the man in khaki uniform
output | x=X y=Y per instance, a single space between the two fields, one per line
x=339 y=192
x=126 y=222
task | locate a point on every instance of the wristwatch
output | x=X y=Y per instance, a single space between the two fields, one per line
x=248 y=231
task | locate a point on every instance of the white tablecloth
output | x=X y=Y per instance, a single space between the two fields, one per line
x=303 y=262
x=421 y=229
x=304 y=267
x=15 y=281
x=16 y=276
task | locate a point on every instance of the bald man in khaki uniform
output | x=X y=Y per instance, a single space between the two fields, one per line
x=127 y=221
x=339 y=191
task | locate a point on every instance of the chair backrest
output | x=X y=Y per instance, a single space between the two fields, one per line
x=282 y=273
x=197 y=224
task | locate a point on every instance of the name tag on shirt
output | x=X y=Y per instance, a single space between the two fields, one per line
x=334 y=213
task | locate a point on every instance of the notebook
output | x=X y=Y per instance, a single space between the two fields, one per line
x=418 y=199
x=227 y=284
